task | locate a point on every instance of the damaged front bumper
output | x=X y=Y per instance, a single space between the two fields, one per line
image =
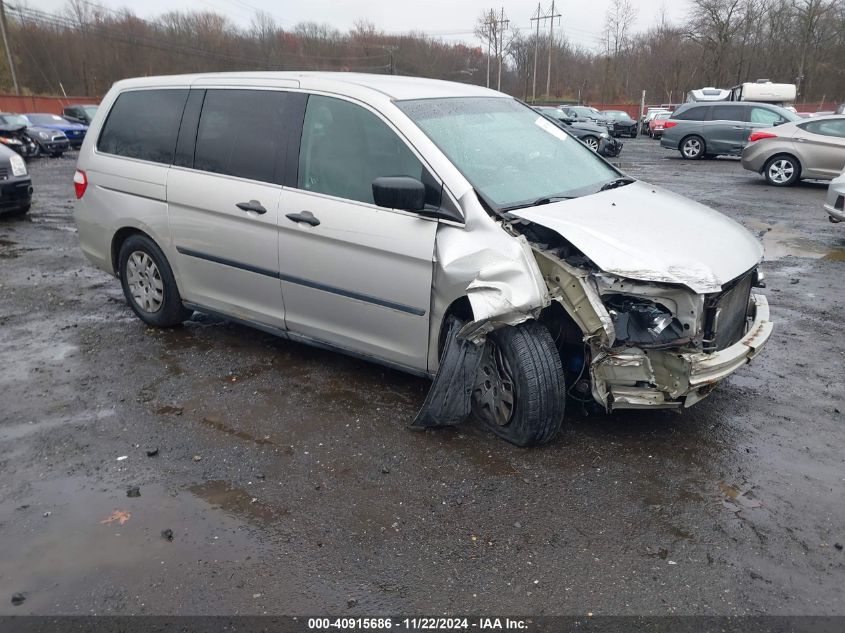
x=633 y=378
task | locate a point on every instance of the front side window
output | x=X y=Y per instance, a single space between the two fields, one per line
x=512 y=155
x=827 y=127
x=773 y=113
x=143 y=124
x=242 y=133
x=345 y=147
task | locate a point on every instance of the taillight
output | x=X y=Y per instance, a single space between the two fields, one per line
x=80 y=183
x=669 y=124
x=758 y=136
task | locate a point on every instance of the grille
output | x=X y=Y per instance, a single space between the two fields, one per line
x=4 y=173
x=727 y=314
x=840 y=203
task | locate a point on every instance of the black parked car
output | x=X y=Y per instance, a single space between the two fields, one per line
x=48 y=141
x=80 y=113
x=594 y=136
x=15 y=184
x=623 y=124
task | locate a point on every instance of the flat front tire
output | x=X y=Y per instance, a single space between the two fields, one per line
x=148 y=283
x=520 y=393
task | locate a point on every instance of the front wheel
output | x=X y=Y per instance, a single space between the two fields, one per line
x=592 y=142
x=692 y=147
x=782 y=171
x=520 y=392
x=148 y=283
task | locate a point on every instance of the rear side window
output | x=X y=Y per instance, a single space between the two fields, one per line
x=693 y=114
x=144 y=124
x=828 y=127
x=727 y=113
x=242 y=133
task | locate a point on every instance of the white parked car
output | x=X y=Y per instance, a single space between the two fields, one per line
x=835 y=205
x=440 y=228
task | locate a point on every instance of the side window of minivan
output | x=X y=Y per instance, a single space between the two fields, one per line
x=242 y=133
x=728 y=113
x=345 y=147
x=697 y=113
x=143 y=124
x=766 y=116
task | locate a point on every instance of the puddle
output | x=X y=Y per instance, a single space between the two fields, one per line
x=780 y=242
x=737 y=499
x=80 y=549
x=228 y=430
x=237 y=502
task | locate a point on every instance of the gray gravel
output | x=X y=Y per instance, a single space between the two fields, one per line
x=290 y=484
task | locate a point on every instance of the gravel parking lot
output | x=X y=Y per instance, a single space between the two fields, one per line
x=291 y=484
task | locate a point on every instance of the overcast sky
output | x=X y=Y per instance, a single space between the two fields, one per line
x=452 y=20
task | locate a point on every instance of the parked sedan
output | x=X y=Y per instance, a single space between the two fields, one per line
x=835 y=205
x=15 y=184
x=80 y=113
x=75 y=132
x=596 y=137
x=622 y=123
x=47 y=140
x=588 y=114
x=813 y=149
x=656 y=125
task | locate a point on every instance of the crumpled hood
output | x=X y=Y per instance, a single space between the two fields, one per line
x=647 y=233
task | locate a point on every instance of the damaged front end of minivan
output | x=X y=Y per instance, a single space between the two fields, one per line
x=629 y=338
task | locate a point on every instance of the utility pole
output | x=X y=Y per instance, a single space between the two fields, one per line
x=491 y=18
x=8 y=50
x=551 y=15
x=537 y=17
x=501 y=25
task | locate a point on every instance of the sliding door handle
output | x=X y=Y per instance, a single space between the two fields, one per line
x=252 y=205
x=304 y=216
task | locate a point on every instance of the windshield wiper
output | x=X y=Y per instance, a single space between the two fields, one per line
x=618 y=182
x=538 y=202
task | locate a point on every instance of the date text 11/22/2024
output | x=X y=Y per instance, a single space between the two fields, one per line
x=417 y=624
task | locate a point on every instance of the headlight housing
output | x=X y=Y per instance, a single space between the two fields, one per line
x=640 y=321
x=605 y=135
x=43 y=135
x=18 y=166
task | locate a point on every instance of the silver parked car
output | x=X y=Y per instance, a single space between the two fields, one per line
x=810 y=148
x=699 y=130
x=835 y=205
x=439 y=228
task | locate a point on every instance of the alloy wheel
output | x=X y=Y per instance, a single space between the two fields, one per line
x=592 y=143
x=781 y=171
x=692 y=148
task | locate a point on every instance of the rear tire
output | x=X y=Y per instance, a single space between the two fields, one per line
x=692 y=147
x=782 y=170
x=148 y=283
x=521 y=394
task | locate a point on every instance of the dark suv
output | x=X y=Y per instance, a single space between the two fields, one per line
x=697 y=130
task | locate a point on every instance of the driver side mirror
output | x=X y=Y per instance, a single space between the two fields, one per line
x=399 y=192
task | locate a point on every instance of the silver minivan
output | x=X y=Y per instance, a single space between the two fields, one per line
x=439 y=228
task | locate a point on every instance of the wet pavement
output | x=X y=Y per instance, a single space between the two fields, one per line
x=291 y=484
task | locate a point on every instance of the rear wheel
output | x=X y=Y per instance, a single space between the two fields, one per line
x=148 y=283
x=592 y=142
x=520 y=392
x=692 y=147
x=782 y=171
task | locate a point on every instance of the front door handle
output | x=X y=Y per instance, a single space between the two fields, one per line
x=739 y=127
x=304 y=216
x=252 y=205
